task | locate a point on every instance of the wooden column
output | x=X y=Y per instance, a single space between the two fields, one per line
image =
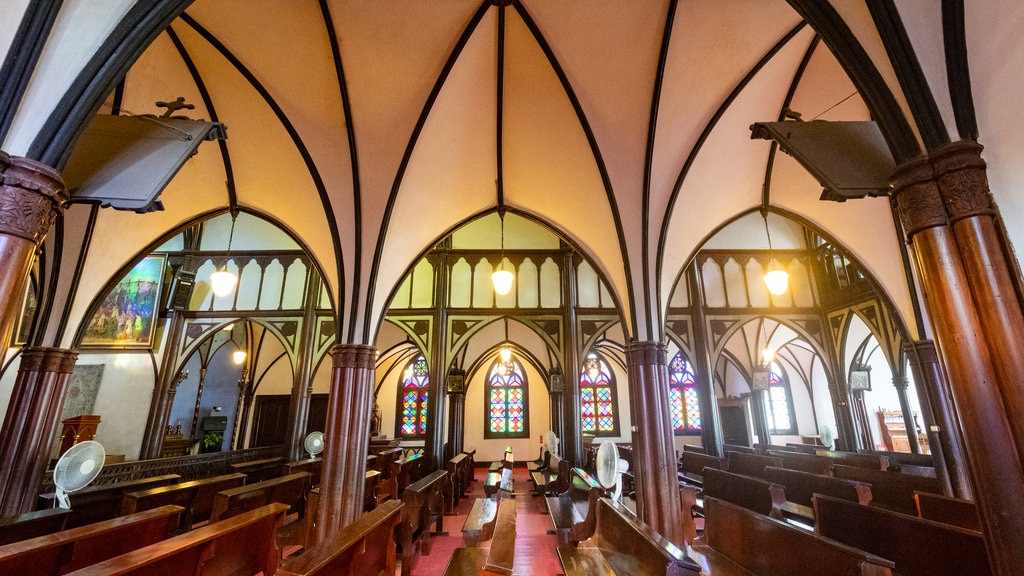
x=31 y=194
x=30 y=425
x=654 y=458
x=556 y=396
x=847 y=433
x=704 y=369
x=456 y=412
x=900 y=383
x=165 y=388
x=433 y=443
x=947 y=433
x=346 y=437
x=993 y=457
x=302 y=384
x=571 y=440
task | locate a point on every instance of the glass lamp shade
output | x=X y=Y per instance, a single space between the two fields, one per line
x=238 y=356
x=777 y=281
x=767 y=355
x=505 y=354
x=222 y=282
x=502 y=280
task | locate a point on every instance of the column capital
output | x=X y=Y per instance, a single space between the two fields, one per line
x=31 y=193
x=922 y=352
x=900 y=382
x=963 y=180
x=917 y=196
x=646 y=353
x=42 y=359
x=360 y=356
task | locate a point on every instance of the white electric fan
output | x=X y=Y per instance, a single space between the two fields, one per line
x=314 y=444
x=76 y=469
x=610 y=468
x=828 y=437
x=551 y=442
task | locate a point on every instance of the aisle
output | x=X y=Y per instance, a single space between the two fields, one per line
x=535 y=548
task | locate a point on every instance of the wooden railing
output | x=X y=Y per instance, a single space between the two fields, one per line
x=192 y=467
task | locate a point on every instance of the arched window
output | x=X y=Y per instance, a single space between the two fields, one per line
x=779 y=403
x=506 y=401
x=598 y=414
x=682 y=397
x=412 y=400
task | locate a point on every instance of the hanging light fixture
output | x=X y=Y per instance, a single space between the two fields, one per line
x=223 y=282
x=776 y=279
x=505 y=353
x=238 y=356
x=502 y=279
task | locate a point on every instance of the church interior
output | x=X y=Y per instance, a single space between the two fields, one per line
x=644 y=287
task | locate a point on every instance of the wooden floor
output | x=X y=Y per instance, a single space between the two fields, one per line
x=535 y=548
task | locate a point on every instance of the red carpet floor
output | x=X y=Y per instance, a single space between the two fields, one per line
x=535 y=548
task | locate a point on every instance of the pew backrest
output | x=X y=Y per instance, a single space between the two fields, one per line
x=32 y=524
x=812 y=463
x=917 y=547
x=368 y=543
x=891 y=490
x=802 y=486
x=259 y=470
x=751 y=493
x=633 y=548
x=314 y=466
x=870 y=461
x=750 y=464
x=196 y=497
x=103 y=501
x=948 y=510
x=290 y=490
x=728 y=529
x=692 y=465
x=68 y=550
x=243 y=544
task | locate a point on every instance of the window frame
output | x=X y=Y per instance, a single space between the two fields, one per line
x=604 y=368
x=781 y=382
x=423 y=397
x=489 y=386
x=687 y=429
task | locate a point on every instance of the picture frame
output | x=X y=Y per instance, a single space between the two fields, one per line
x=761 y=379
x=28 y=312
x=126 y=316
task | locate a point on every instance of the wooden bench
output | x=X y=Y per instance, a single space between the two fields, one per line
x=948 y=510
x=622 y=545
x=68 y=550
x=243 y=544
x=259 y=470
x=726 y=448
x=750 y=464
x=405 y=471
x=688 y=505
x=800 y=488
x=692 y=465
x=779 y=549
x=32 y=524
x=918 y=547
x=751 y=493
x=574 y=512
x=386 y=459
x=498 y=560
x=479 y=524
x=314 y=466
x=812 y=463
x=764 y=449
x=455 y=487
x=891 y=490
x=871 y=461
x=196 y=497
x=500 y=483
x=423 y=507
x=103 y=501
x=291 y=490
x=366 y=545
x=370 y=486
x=506 y=462
x=900 y=459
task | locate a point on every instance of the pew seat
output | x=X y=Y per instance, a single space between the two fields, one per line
x=573 y=513
x=479 y=524
x=498 y=559
x=499 y=483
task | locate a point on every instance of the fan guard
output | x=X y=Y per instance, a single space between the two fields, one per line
x=610 y=468
x=828 y=437
x=76 y=469
x=551 y=442
x=314 y=443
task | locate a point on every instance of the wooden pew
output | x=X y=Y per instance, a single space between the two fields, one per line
x=479 y=524
x=726 y=448
x=778 y=549
x=405 y=471
x=574 y=512
x=471 y=454
x=366 y=545
x=33 y=524
x=259 y=470
x=68 y=550
x=918 y=547
x=800 y=488
x=292 y=490
x=103 y=501
x=688 y=504
x=812 y=463
x=623 y=546
x=692 y=465
x=499 y=483
x=455 y=483
x=891 y=490
x=423 y=507
x=386 y=459
x=871 y=461
x=506 y=462
x=243 y=544
x=948 y=510
x=695 y=448
x=314 y=466
x=196 y=497
x=370 y=485
x=899 y=459
x=551 y=480
x=540 y=472
x=750 y=464
x=751 y=493
x=498 y=560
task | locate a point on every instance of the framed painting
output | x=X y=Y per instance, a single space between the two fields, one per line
x=126 y=316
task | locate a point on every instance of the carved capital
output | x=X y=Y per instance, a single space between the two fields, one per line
x=922 y=352
x=646 y=353
x=359 y=356
x=963 y=180
x=917 y=197
x=31 y=193
x=51 y=360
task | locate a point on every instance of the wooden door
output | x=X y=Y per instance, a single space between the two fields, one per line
x=270 y=427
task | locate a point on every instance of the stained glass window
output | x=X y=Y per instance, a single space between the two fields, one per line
x=779 y=404
x=683 y=399
x=507 y=413
x=412 y=399
x=597 y=398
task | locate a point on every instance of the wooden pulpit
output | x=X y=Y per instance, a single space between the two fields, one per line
x=77 y=429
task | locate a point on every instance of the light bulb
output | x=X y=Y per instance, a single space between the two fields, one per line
x=222 y=282
x=505 y=354
x=502 y=280
x=767 y=355
x=777 y=281
x=238 y=356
